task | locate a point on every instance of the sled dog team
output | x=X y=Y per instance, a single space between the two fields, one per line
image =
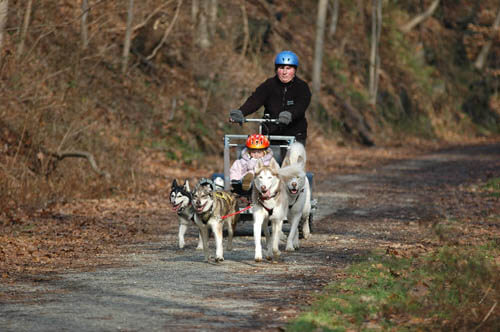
x=278 y=194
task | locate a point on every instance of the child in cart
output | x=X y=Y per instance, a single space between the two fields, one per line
x=257 y=147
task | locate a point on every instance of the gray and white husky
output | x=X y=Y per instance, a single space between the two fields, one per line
x=298 y=191
x=180 y=198
x=212 y=210
x=270 y=204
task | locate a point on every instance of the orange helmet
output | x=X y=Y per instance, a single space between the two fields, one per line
x=257 y=141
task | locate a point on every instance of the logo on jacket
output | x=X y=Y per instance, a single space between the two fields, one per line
x=289 y=103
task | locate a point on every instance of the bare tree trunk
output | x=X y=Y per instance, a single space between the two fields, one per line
x=334 y=19
x=4 y=9
x=203 y=38
x=84 y=27
x=374 y=54
x=212 y=15
x=128 y=36
x=195 y=9
x=483 y=55
x=420 y=18
x=24 y=30
x=318 y=54
x=245 y=28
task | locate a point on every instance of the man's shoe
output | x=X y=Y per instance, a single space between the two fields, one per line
x=246 y=182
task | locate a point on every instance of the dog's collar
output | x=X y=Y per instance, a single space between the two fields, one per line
x=188 y=211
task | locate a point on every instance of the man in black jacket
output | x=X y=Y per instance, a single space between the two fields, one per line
x=285 y=97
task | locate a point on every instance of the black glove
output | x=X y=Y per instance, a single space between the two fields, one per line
x=236 y=116
x=285 y=117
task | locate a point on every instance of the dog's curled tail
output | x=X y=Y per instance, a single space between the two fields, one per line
x=296 y=169
x=297 y=153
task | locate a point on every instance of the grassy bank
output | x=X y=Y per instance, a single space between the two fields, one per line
x=451 y=283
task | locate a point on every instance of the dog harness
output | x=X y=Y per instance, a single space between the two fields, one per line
x=296 y=198
x=205 y=216
x=225 y=196
x=261 y=200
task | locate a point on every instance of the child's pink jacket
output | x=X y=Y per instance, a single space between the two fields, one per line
x=247 y=164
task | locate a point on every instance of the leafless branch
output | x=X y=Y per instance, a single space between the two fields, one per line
x=82 y=154
x=487 y=316
x=420 y=18
x=483 y=55
x=167 y=32
x=143 y=23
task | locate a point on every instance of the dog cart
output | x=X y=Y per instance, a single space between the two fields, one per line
x=233 y=146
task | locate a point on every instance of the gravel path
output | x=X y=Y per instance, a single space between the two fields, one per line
x=162 y=288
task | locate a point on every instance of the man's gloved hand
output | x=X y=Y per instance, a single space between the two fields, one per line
x=285 y=117
x=236 y=116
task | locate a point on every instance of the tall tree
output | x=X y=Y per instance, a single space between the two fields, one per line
x=318 y=54
x=24 y=30
x=374 y=54
x=84 y=27
x=4 y=8
x=203 y=39
x=195 y=8
x=483 y=55
x=212 y=15
x=128 y=36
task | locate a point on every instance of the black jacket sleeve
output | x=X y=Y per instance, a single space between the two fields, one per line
x=257 y=99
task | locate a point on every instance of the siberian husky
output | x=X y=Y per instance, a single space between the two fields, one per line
x=299 y=193
x=212 y=210
x=180 y=198
x=270 y=204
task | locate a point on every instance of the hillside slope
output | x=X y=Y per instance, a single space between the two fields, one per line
x=171 y=110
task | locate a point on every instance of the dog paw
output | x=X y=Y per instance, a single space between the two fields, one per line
x=258 y=260
x=290 y=249
x=199 y=247
x=219 y=259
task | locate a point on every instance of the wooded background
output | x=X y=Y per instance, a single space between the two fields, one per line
x=94 y=91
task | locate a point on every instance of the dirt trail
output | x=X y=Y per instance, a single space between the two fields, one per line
x=164 y=288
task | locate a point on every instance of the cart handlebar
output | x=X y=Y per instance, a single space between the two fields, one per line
x=265 y=120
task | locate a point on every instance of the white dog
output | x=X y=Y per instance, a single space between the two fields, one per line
x=270 y=204
x=298 y=192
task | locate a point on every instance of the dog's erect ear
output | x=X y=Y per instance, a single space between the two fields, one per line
x=259 y=165
x=186 y=186
x=174 y=183
x=274 y=165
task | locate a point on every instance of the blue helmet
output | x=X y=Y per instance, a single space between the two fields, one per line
x=286 y=58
